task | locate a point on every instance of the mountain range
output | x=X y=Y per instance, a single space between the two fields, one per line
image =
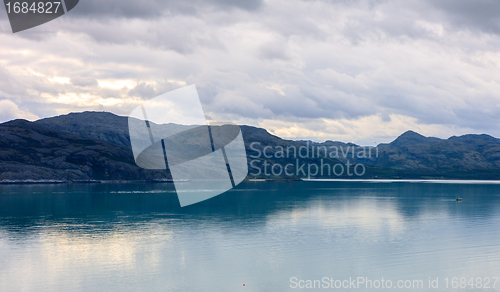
x=95 y=146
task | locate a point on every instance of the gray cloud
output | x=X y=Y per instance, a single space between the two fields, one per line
x=143 y=90
x=479 y=15
x=157 y=8
x=400 y=64
x=84 y=81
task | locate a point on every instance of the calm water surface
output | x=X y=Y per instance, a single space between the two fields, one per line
x=135 y=237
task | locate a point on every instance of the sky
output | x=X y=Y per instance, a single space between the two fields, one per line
x=353 y=71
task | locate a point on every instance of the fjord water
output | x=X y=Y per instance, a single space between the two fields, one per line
x=136 y=237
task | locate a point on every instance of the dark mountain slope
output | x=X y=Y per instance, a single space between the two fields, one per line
x=466 y=153
x=102 y=126
x=32 y=151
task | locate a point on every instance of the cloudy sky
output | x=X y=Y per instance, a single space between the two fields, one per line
x=360 y=71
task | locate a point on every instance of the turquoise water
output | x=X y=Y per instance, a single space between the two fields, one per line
x=266 y=235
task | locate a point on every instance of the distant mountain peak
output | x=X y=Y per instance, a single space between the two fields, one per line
x=411 y=133
x=410 y=137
